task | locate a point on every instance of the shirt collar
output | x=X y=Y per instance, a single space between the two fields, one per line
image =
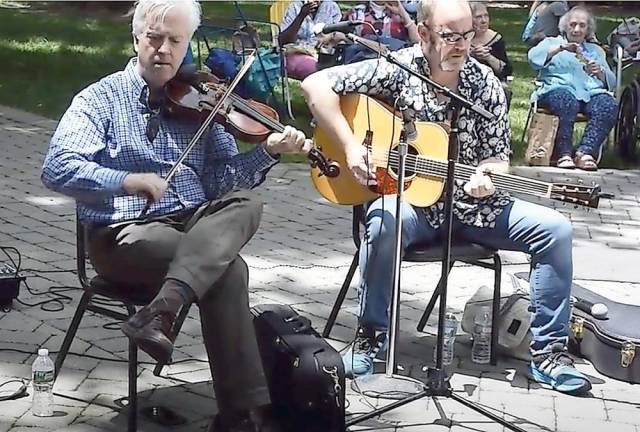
x=138 y=85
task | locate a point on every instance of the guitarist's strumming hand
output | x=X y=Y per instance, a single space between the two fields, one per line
x=357 y=158
x=480 y=184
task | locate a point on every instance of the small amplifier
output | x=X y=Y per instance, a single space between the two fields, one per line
x=9 y=285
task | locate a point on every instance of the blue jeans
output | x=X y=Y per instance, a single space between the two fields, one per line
x=539 y=231
x=601 y=112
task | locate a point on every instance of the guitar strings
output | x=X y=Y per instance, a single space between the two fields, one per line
x=438 y=168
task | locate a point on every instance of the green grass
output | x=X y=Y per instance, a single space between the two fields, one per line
x=50 y=54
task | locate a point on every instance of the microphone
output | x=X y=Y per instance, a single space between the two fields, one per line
x=596 y=310
x=342 y=26
x=409 y=126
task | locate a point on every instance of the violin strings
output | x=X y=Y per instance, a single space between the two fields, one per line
x=257 y=115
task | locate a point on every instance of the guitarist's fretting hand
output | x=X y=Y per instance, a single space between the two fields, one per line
x=357 y=158
x=480 y=184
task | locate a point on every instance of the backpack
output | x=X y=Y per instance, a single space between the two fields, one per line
x=262 y=76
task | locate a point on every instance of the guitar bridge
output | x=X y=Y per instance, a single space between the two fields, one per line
x=386 y=183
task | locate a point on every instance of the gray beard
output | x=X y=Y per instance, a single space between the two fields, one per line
x=446 y=66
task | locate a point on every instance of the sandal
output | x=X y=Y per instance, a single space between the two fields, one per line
x=565 y=162
x=585 y=162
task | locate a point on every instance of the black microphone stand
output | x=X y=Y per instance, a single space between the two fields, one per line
x=437 y=380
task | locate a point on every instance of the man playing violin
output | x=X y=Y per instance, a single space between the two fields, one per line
x=481 y=214
x=110 y=152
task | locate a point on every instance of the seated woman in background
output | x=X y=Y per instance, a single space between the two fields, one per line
x=297 y=25
x=575 y=78
x=487 y=46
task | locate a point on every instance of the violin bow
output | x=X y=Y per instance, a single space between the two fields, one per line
x=205 y=124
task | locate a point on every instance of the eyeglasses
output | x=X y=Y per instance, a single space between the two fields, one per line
x=455 y=37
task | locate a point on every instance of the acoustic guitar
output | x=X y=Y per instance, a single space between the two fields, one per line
x=378 y=128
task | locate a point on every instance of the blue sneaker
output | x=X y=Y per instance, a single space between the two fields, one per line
x=557 y=370
x=358 y=359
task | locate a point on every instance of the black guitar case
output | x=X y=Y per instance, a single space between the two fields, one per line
x=611 y=344
x=305 y=374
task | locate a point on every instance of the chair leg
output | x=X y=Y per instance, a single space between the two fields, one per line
x=432 y=301
x=132 y=425
x=526 y=124
x=341 y=295
x=495 y=310
x=72 y=330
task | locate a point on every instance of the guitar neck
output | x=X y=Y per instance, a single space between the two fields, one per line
x=507 y=182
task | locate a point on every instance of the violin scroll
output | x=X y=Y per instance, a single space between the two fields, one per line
x=327 y=167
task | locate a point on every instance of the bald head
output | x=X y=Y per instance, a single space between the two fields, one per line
x=445 y=12
x=445 y=28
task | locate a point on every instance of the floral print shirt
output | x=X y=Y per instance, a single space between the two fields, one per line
x=479 y=139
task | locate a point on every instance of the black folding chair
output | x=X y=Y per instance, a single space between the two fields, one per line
x=129 y=297
x=470 y=253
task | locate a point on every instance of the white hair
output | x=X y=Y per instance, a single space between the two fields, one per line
x=563 y=24
x=154 y=11
x=475 y=5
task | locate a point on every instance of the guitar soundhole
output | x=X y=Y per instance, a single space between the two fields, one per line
x=409 y=169
x=387 y=179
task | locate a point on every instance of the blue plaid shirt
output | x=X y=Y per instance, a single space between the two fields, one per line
x=102 y=137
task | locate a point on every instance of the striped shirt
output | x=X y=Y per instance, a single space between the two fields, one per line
x=102 y=137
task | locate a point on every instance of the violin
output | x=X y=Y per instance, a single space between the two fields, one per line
x=201 y=96
x=245 y=119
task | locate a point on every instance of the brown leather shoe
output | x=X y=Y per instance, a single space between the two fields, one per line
x=150 y=330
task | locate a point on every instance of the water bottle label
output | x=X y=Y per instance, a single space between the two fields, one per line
x=43 y=377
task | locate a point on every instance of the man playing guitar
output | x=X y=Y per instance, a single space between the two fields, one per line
x=481 y=214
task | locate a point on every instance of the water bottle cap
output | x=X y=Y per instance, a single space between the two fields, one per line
x=43 y=352
x=450 y=316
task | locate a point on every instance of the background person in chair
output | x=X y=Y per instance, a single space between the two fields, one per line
x=297 y=25
x=575 y=78
x=543 y=20
x=488 y=47
x=388 y=22
x=481 y=214
x=110 y=152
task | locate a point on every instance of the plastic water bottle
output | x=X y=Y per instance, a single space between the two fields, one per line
x=481 y=350
x=449 y=339
x=43 y=376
